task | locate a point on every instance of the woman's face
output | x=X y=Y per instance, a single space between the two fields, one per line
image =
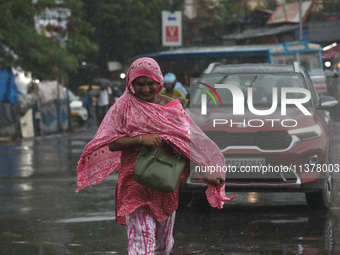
x=146 y=88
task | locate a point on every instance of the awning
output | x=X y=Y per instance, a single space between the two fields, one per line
x=290 y=13
x=262 y=31
x=331 y=53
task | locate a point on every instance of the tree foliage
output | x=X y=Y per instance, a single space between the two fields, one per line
x=126 y=27
x=22 y=46
x=331 y=6
x=230 y=11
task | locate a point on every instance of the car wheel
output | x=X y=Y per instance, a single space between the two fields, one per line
x=80 y=121
x=323 y=198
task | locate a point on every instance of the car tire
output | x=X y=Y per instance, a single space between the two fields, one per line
x=323 y=198
x=80 y=121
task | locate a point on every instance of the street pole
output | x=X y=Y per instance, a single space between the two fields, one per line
x=36 y=92
x=300 y=20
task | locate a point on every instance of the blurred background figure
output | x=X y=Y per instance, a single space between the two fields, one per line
x=103 y=103
x=171 y=78
x=89 y=105
x=174 y=89
x=104 y=99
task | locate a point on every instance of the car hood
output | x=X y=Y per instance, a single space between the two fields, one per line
x=224 y=120
x=76 y=104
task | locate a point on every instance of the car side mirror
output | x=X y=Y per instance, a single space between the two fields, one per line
x=327 y=102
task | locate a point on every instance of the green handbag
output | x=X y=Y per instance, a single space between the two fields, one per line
x=158 y=170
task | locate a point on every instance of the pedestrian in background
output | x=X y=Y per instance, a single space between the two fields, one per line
x=171 y=78
x=89 y=105
x=170 y=88
x=104 y=102
x=141 y=116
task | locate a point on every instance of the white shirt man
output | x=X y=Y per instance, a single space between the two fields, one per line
x=103 y=103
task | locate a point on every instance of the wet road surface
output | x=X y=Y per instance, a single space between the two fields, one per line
x=41 y=214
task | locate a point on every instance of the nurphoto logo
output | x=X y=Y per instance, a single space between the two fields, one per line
x=239 y=99
x=204 y=96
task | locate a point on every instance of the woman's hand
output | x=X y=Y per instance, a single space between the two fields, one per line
x=215 y=181
x=152 y=140
x=127 y=143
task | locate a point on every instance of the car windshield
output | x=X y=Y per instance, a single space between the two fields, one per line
x=72 y=96
x=262 y=87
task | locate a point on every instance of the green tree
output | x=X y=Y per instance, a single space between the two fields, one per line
x=126 y=27
x=272 y=5
x=231 y=10
x=331 y=6
x=214 y=19
x=22 y=46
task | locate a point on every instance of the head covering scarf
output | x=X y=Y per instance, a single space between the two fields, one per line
x=144 y=67
x=131 y=116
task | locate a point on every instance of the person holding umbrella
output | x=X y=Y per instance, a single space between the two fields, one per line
x=104 y=100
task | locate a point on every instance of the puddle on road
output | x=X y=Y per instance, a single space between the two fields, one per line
x=89 y=218
x=42 y=215
x=249 y=229
x=282 y=221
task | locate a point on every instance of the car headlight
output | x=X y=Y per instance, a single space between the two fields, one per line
x=306 y=132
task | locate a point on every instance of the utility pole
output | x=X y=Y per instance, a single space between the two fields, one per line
x=171 y=9
x=36 y=92
x=300 y=20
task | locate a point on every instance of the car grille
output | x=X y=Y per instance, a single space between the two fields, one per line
x=270 y=140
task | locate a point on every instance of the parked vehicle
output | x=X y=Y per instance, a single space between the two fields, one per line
x=272 y=126
x=82 y=91
x=78 y=112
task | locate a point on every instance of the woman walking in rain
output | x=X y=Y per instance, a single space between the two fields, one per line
x=144 y=117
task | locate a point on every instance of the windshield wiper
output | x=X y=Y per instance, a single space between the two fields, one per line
x=253 y=81
x=250 y=85
x=224 y=77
